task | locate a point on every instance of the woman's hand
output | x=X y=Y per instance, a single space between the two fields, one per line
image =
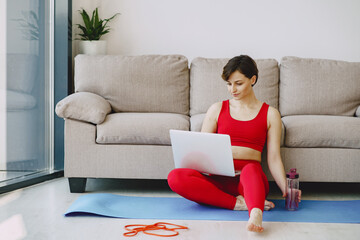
x=299 y=195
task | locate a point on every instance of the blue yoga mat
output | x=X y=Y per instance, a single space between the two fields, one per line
x=111 y=205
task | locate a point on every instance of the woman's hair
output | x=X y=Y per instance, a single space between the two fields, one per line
x=244 y=64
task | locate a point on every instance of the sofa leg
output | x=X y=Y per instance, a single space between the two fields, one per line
x=77 y=185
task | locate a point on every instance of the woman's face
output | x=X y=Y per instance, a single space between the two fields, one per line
x=239 y=85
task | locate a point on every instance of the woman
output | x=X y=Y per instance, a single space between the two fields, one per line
x=250 y=123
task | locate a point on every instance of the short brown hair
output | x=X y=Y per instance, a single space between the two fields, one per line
x=244 y=64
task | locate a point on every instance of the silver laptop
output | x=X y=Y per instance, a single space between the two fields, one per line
x=205 y=152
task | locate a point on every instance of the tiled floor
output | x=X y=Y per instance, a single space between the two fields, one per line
x=37 y=213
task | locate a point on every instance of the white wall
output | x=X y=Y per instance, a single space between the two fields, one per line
x=225 y=28
x=3 y=85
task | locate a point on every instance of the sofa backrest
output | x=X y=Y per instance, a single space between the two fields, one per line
x=318 y=87
x=150 y=83
x=207 y=86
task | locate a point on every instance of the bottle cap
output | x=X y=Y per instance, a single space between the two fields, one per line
x=292 y=174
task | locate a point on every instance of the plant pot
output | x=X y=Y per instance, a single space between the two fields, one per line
x=93 y=47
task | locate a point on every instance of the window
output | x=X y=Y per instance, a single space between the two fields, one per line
x=27 y=89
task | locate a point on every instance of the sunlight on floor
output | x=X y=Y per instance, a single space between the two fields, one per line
x=12 y=196
x=13 y=228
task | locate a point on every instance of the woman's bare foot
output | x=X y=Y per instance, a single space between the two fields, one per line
x=268 y=205
x=240 y=204
x=255 y=221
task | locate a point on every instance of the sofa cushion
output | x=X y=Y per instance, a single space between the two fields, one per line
x=207 y=86
x=140 y=128
x=83 y=106
x=319 y=87
x=196 y=122
x=357 y=113
x=151 y=83
x=316 y=131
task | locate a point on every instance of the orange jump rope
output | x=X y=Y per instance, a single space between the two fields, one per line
x=136 y=228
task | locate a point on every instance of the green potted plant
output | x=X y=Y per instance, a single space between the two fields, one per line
x=92 y=31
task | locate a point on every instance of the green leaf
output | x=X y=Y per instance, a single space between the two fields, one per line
x=92 y=18
x=109 y=19
x=96 y=18
x=85 y=18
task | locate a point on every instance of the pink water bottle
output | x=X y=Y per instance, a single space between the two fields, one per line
x=292 y=198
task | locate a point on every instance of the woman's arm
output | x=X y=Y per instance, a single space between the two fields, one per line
x=210 y=121
x=276 y=166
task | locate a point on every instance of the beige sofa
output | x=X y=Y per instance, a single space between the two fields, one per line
x=117 y=123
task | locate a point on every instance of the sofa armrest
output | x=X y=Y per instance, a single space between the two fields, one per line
x=357 y=113
x=84 y=106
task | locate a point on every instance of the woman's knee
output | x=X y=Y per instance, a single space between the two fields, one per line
x=252 y=171
x=178 y=177
x=252 y=167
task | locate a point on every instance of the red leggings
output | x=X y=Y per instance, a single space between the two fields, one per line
x=221 y=191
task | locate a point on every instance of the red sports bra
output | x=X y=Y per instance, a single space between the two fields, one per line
x=251 y=134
